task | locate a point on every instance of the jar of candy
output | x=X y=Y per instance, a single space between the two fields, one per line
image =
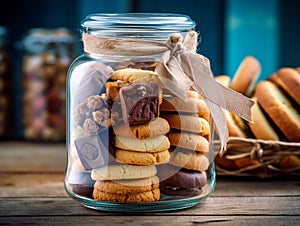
x=6 y=97
x=48 y=55
x=139 y=132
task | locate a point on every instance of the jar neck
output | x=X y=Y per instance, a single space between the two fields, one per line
x=135 y=29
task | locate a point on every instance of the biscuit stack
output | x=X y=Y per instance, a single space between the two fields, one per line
x=140 y=141
x=189 y=137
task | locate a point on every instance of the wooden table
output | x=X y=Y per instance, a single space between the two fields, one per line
x=32 y=192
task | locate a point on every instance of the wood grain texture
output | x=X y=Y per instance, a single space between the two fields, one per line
x=32 y=192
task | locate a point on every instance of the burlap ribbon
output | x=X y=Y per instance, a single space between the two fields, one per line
x=180 y=69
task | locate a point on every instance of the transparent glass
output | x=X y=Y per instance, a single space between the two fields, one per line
x=125 y=152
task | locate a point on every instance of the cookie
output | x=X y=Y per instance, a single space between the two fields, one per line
x=134 y=75
x=190 y=105
x=154 y=144
x=189 y=160
x=122 y=187
x=182 y=182
x=290 y=82
x=139 y=103
x=122 y=171
x=188 y=141
x=280 y=109
x=148 y=196
x=246 y=75
x=188 y=123
x=159 y=126
x=142 y=158
x=262 y=127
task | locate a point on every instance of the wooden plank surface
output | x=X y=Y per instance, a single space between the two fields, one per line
x=32 y=192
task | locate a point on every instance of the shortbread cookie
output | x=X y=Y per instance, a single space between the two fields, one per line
x=246 y=75
x=122 y=171
x=128 y=186
x=261 y=127
x=189 y=160
x=154 y=144
x=134 y=75
x=189 y=141
x=188 y=123
x=190 y=105
x=148 y=196
x=142 y=158
x=280 y=109
x=291 y=82
x=159 y=126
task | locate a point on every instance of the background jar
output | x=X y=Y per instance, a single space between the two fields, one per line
x=48 y=55
x=6 y=98
x=95 y=175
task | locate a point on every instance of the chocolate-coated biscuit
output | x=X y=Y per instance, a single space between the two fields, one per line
x=181 y=182
x=139 y=102
x=142 y=158
x=148 y=196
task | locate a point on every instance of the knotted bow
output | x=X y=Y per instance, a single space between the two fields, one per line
x=180 y=69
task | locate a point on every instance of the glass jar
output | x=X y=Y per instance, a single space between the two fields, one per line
x=134 y=146
x=48 y=55
x=6 y=125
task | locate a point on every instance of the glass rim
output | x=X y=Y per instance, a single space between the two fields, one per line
x=137 y=21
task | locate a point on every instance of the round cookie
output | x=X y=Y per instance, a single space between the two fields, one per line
x=128 y=186
x=133 y=75
x=280 y=109
x=182 y=182
x=188 y=123
x=189 y=141
x=190 y=105
x=142 y=158
x=246 y=75
x=154 y=144
x=261 y=128
x=123 y=171
x=291 y=80
x=147 y=196
x=159 y=126
x=236 y=125
x=189 y=160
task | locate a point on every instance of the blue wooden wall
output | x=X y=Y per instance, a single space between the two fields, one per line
x=229 y=29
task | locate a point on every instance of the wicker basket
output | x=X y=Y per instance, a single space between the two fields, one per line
x=265 y=154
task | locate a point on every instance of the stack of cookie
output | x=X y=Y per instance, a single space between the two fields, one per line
x=189 y=138
x=140 y=140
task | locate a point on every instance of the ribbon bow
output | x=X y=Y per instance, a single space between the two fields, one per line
x=180 y=69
